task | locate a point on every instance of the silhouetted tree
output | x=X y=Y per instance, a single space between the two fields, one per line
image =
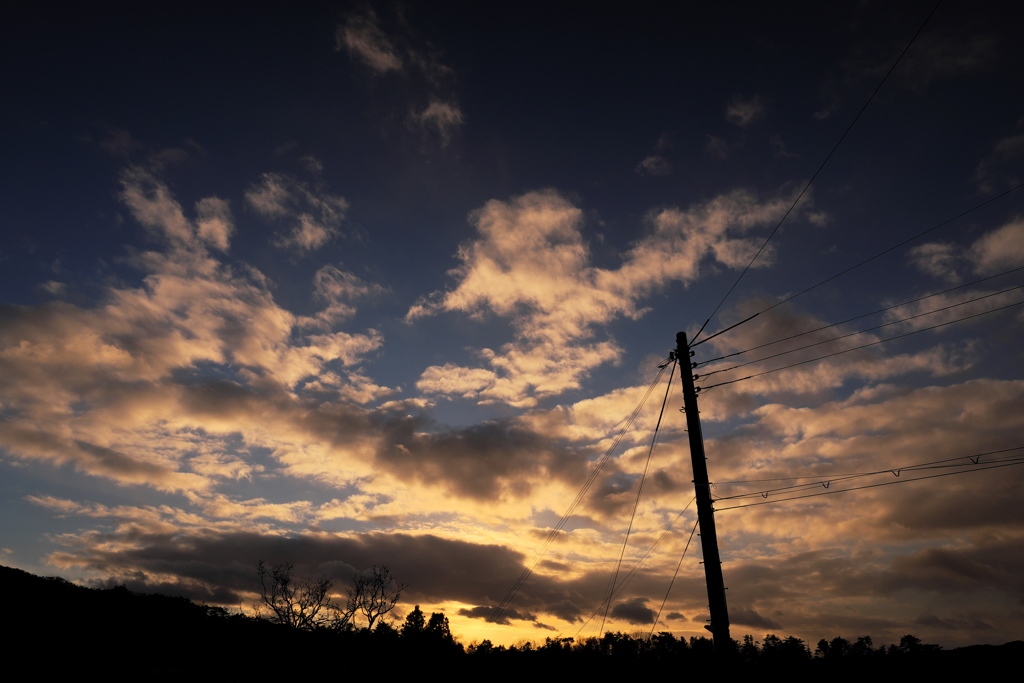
x=910 y=644
x=702 y=646
x=484 y=648
x=438 y=628
x=838 y=648
x=374 y=594
x=749 y=650
x=306 y=603
x=790 y=650
x=299 y=603
x=664 y=646
x=862 y=648
x=415 y=623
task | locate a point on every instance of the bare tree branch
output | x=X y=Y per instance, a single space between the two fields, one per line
x=374 y=594
x=303 y=604
x=307 y=603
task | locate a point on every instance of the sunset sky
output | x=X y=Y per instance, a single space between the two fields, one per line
x=353 y=283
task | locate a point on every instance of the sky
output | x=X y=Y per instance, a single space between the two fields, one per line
x=341 y=284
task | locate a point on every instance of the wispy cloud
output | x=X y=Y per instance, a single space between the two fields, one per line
x=654 y=165
x=530 y=263
x=118 y=390
x=314 y=215
x=428 y=84
x=937 y=55
x=779 y=148
x=361 y=36
x=744 y=111
x=1000 y=249
x=718 y=147
x=995 y=251
x=936 y=258
x=442 y=117
x=339 y=290
x=1000 y=168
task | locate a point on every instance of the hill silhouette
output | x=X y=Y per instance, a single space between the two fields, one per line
x=123 y=634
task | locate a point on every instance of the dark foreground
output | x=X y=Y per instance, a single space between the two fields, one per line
x=59 y=627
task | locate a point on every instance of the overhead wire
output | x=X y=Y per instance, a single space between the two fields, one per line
x=862 y=346
x=974 y=464
x=895 y=471
x=858 y=317
x=871 y=486
x=657 y=618
x=820 y=167
x=864 y=331
x=591 y=478
x=826 y=480
x=858 y=265
x=639 y=492
x=639 y=563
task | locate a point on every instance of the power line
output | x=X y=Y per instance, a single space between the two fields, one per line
x=591 y=478
x=639 y=492
x=857 y=317
x=639 y=563
x=829 y=156
x=871 y=486
x=896 y=471
x=851 y=334
x=827 y=481
x=673 y=581
x=863 y=346
x=858 y=265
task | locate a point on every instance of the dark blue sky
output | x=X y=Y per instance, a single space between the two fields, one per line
x=383 y=279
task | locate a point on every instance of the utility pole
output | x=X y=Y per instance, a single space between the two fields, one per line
x=719 y=626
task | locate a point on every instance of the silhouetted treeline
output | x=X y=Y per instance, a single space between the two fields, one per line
x=59 y=627
x=837 y=659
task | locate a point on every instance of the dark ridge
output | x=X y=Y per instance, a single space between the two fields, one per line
x=60 y=627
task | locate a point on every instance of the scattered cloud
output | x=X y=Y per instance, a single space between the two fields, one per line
x=957 y=623
x=995 y=251
x=744 y=112
x=206 y=405
x=445 y=569
x=531 y=264
x=1000 y=168
x=427 y=83
x=152 y=205
x=717 y=147
x=339 y=290
x=120 y=143
x=654 y=165
x=136 y=389
x=779 y=148
x=361 y=36
x=944 y=55
x=937 y=55
x=313 y=215
x=504 y=618
x=937 y=259
x=634 y=611
x=1000 y=249
x=748 y=617
x=54 y=288
x=441 y=117
x=214 y=224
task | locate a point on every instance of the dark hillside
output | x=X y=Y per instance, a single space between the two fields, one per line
x=66 y=628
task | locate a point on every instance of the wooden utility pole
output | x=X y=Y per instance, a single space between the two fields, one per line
x=719 y=626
